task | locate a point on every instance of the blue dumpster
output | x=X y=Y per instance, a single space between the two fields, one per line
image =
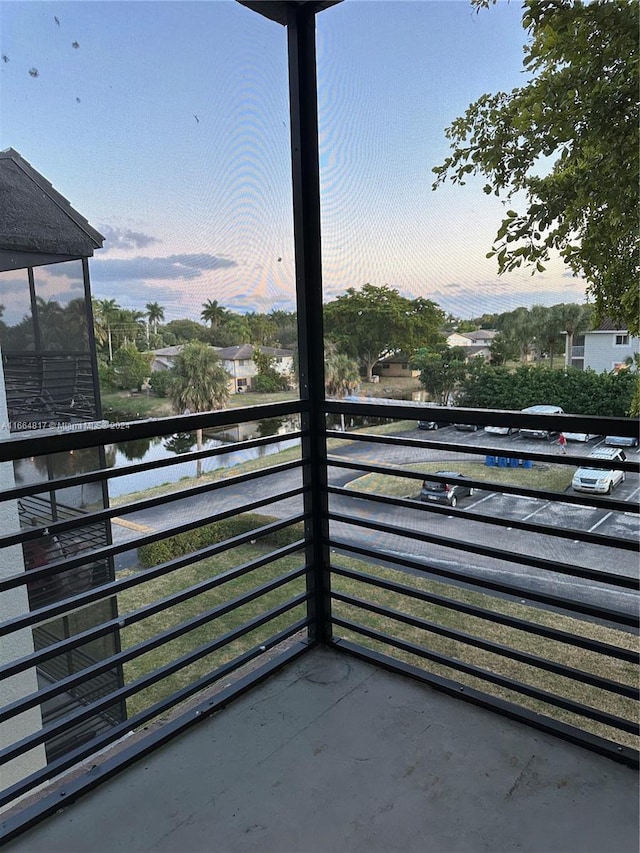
x=502 y=461
x=513 y=463
x=490 y=461
x=527 y=463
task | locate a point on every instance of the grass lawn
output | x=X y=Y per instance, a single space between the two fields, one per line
x=513 y=638
x=153 y=590
x=553 y=477
x=485 y=629
x=125 y=405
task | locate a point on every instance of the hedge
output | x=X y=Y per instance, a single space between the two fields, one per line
x=193 y=540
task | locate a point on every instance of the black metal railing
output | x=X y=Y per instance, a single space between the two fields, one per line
x=521 y=597
x=211 y=574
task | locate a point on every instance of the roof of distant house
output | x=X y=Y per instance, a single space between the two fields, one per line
x=481 y=335
x=37 y=224
x=608 y=325
x=168 y=351
x=398 y=358
x=247 y=350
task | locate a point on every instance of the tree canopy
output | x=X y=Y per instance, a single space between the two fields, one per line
x=374 y=322
x=441 y=371
x=579 y=111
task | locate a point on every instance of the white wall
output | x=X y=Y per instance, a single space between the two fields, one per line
x=601 y=352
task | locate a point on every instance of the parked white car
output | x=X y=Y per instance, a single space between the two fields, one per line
x=600 y=480
x=540 y=410
x=580 y=436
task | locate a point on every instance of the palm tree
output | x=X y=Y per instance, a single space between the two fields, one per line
x=341 y=374
x=199 y=383
x=212 y=313
x=155 y=314
x=75 y=324
x=50 y=316
x=106 y=314
x=573 y=320
x=129 y=324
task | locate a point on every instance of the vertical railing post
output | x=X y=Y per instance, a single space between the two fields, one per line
x=306 y=221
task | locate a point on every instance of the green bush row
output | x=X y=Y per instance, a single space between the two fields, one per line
x=185 y=543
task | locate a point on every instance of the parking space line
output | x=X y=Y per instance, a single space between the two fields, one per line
x=598 y=523
x=482 y=500
x=546 y=504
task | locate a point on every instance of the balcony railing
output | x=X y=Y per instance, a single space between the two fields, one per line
x=522 y=598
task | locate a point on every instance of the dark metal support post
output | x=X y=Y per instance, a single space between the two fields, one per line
x=306 y=221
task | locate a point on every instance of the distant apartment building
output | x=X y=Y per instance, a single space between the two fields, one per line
x=475 y=344
x=48 y=380
x=237 y=361
x=604 y=349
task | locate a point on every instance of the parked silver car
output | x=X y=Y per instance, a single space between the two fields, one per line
x=540 y=410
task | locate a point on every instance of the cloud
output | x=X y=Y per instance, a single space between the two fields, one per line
x=171 y=267
x=125 y=238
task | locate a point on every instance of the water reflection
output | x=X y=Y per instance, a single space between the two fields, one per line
x=154 y=449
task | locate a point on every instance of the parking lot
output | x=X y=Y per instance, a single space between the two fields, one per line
x=579 y=517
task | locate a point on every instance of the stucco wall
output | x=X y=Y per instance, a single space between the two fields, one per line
x=601 y=352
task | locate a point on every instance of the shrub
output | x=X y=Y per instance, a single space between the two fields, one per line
x=159 y=382
x=209 y=534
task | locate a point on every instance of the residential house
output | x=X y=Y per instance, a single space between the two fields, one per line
x=163 y=358
x=603 y=349
x=475 y=344
x=395 y=367
x=238 y=362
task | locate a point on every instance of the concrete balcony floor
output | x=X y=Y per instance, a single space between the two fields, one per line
x=332 y=754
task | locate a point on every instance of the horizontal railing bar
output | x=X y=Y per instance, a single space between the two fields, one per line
x=99 y=516
x=167 y=730
x=628 y=691
x=485 y=485
x=495 y=521
x=618 y=752
x=622 y=581
x=485 y=417
x=507 y=451
x=107 y=590
x=63 y=684
x=522 y=593
x=491 y=677
x=627 y=655
x=90 y=435
x=101 y=474
x=78 y=716
x=77 y=640
x=96 y=554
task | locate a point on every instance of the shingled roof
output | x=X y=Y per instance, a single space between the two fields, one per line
x=37 y=224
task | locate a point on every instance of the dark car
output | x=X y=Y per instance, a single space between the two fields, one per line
x=447 y=492
x=467 y=427
x=432 y=424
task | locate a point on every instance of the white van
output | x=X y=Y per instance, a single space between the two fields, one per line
x=540 y=410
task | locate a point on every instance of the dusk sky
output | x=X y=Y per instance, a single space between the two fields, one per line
x=166 y=125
